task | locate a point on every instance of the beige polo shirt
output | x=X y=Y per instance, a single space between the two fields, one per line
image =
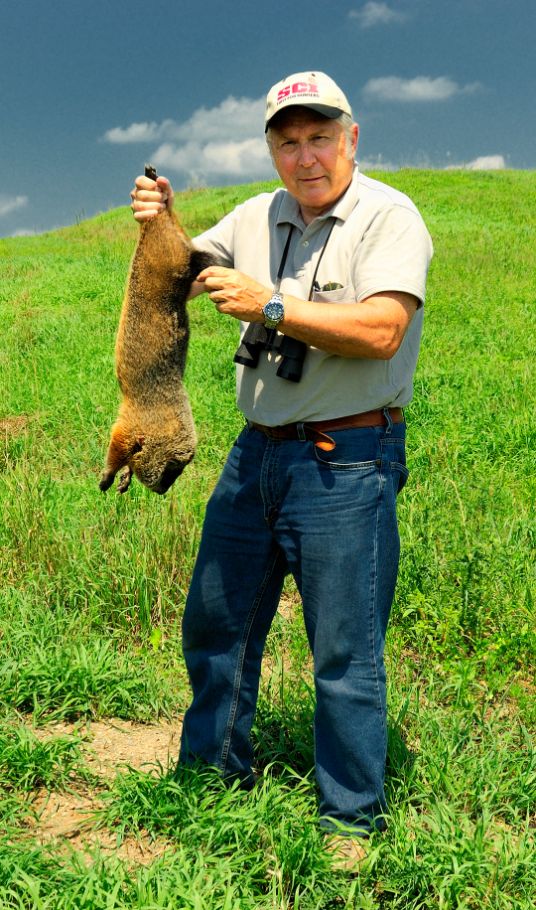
x=379 y=242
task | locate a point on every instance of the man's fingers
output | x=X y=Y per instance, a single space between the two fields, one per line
x=144 y=209
x=164 y=184
x=139 y=206
x=148 y=196
x=213 y=271
x=146 y=215
x=167 y=191
x=212 y=285
x=144 y=183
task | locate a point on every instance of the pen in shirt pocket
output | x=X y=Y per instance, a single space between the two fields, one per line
x=330 y=286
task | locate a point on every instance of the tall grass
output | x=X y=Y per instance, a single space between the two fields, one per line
x=93 y=588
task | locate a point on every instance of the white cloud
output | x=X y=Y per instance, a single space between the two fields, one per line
x=11 y=203
x=484 y=163
x=233 y=118
x=136 y=132
x=487 y=163
x=420 y=88
x=223 y=141
x=24 y=232
x=247 y=159
x=376 y=163
x=373 y=13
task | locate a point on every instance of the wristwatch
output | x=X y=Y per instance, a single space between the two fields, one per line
x=273 y=311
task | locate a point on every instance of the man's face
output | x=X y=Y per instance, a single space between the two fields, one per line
x=311 y=157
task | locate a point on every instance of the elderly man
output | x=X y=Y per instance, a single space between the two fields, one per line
x=327 y=277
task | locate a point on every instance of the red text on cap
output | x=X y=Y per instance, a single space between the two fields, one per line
x=298 y=88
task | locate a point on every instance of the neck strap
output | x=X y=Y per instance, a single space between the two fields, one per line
x=283 y=262
x=284 y=257
x=258 y=338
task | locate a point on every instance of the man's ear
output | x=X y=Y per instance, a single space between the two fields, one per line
x=355 y=137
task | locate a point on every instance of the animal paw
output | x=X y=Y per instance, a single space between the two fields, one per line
x=124 y=480
x=106 y=481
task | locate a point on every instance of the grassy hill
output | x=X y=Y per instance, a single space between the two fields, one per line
x=93 y=588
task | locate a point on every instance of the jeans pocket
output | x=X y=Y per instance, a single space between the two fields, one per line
x=400 y=475
x=326 y=461
x=355 y=450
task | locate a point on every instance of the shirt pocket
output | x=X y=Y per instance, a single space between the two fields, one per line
x=340 y=295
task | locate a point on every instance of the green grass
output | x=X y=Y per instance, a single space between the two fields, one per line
x=93 y=588
x=27 y=763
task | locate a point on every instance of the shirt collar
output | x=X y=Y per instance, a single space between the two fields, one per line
x=289 y=210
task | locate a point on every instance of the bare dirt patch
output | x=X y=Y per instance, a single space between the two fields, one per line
x=289 y=604
x=65 y=820
x=15 y=425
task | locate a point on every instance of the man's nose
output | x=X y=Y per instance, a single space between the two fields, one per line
x=307 y=155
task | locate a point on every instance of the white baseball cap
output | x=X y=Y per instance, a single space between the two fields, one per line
x=314 y=90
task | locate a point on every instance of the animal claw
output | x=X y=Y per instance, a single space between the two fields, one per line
x=124 y=480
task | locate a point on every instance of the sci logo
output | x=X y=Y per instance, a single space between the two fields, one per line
x=297 y=88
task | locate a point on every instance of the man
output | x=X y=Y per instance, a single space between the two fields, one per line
x=328 y=279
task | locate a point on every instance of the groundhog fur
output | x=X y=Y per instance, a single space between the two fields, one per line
x=154 y=434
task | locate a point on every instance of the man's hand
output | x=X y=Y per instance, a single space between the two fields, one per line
x=234 y=293
x=150 y=197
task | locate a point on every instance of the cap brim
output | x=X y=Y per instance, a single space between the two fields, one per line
x=331 y=112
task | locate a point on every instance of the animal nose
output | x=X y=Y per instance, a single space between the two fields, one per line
x=169 y=475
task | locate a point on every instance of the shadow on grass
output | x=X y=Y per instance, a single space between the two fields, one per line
x=400 y=759
x=283 y=738
x=283 y=733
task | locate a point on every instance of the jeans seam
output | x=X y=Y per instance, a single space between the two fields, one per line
x=237 y=682
x=374 y=584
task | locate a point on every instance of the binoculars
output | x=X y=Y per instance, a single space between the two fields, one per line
x=258 y=338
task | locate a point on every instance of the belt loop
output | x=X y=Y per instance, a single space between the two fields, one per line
x=300 y=430
x=389 y=422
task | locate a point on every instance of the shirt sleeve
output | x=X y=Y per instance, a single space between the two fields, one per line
x=394 y=254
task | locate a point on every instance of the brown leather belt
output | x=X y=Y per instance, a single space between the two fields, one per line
x=316 y=430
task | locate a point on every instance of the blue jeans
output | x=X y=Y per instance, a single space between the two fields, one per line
x=330 y=519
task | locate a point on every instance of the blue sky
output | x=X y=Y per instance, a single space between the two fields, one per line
x=90 y=89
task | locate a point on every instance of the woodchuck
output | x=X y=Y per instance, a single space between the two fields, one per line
x=154 y=434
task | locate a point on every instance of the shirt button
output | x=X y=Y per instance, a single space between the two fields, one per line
x=305 y=243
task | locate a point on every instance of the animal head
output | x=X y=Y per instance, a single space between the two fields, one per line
x=155 y=461
x=158 y=462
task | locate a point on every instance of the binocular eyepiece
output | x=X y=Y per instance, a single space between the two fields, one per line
x=258 y=338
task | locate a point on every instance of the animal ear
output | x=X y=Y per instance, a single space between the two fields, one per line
x=138 y=445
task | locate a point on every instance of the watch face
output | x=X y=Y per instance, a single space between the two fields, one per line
x=274 y=310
